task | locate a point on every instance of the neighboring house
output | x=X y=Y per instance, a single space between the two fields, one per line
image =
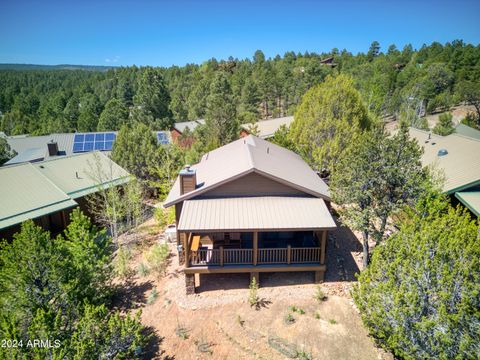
x=47 y=191
x=39 y=148
x=180 y=127
x=458 y=157
x=265 y=128
x=249 y=207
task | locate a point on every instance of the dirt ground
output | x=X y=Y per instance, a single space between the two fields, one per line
x=218 y=323
x=458 y=114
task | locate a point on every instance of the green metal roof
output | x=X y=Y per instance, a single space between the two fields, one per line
x=471 y=199
x=26 y=194
x=467 y=131
x=82 y=174
x=31 y=190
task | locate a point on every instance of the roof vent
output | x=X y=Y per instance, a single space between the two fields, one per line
x=442 y=152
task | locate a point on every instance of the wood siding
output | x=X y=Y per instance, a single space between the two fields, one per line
x=252 y=184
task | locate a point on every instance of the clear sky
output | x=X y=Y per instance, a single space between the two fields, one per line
x=163 y=33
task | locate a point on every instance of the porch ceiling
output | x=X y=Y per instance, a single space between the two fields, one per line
x=265 y=213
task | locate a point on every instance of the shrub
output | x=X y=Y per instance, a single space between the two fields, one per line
x=253 y=298
x=317 y=315
x=182 y=332
x=157 y=258
x=143 y=270
x=319 y=294
x=203 y=345
x=303 y=355
x=420 y=295
x=153 y=296
x=472 y=120
x=240 y=321
x=122 y=263
x=161 y=216
x=332 y=321
x=298 y=310
x=288 y=319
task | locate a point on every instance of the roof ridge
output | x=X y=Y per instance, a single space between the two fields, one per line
x=249 y=154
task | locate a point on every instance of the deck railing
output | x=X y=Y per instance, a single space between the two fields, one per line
x=223 y=257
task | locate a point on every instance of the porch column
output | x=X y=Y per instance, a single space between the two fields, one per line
x=187 y=249
x=323 y=246
x=255 y=247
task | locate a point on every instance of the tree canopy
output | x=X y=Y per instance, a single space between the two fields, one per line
x=378 y=177
x=57 y=289
x=398 y=80
x=419 y=297
x=327 y=119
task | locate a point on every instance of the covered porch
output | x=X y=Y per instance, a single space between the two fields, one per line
x=254 y=235
x=255 y=248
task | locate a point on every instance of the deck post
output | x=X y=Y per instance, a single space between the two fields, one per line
x=319 y=276
x=289 y=254
x=323 y=246
x=187 y=250
x=221 y=255
x=255 y=247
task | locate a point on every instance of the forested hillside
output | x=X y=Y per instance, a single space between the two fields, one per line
x=392 y=81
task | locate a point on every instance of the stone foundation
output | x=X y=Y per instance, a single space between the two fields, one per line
x=190 y=284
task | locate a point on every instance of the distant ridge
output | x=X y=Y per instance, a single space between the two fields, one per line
x=55 y=67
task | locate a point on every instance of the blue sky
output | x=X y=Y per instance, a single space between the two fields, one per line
x=178 y=32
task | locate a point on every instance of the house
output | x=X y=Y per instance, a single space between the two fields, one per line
x=47 y=191
x=250 y=207
x=265 y=128
x=329 y=61
x=179 y=129
x=39 y=148
x=458 y=157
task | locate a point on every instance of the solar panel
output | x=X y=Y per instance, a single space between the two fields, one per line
x=77 y=147
x=93 y=141
x=162 y=138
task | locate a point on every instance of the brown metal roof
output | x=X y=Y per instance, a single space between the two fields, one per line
x=246 y=155
x=267 y=128
x=265 y=213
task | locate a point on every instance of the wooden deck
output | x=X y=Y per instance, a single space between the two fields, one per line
x=216 y=269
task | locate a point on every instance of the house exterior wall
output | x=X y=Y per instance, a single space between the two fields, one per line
x=252 y=184
x=175 y=135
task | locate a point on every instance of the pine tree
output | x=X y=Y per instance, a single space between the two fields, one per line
x=153 y=97
x=375 y=179
x=113 y=116
x=220 y=116
x=444 y=126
